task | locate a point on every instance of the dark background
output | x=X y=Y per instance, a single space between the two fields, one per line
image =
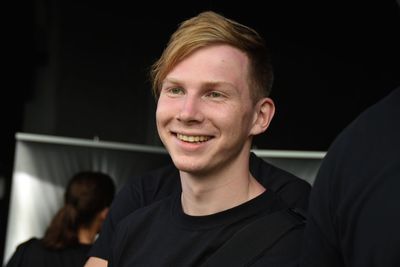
x=79 y=68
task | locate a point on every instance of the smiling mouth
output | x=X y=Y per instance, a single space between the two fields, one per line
x=193 y=138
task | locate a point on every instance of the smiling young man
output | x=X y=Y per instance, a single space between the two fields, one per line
x=212 y=84
x=206 y=117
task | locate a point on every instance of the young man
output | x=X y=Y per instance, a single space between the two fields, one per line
x=212 y=84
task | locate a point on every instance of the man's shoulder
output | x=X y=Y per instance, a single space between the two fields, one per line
x=272 y=176
x=155 y=210
x=292 y=189
x=147 y=187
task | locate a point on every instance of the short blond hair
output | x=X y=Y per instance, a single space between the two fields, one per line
x=209 y=28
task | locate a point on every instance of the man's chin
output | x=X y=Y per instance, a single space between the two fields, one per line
x=193 y=167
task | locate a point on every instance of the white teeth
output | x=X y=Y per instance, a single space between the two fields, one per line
x=192 y=139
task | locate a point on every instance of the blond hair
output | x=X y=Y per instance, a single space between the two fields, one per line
x=209 y=28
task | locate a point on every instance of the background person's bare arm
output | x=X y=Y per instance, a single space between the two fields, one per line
x=96 y=262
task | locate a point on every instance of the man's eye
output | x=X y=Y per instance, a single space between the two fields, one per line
x=214 y=94
x=176 y=91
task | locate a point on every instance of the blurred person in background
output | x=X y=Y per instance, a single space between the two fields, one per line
x=75 y=226
x=353 y=216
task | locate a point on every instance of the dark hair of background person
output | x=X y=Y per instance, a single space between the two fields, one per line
x=86 y=195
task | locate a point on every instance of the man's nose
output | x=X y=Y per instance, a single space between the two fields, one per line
x=191 y=109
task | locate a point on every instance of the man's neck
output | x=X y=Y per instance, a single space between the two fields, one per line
x=219 y=190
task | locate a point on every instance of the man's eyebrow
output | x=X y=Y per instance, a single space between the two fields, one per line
x=215 y=83
x=177 y=82
x=219 y=84
x=170 y=82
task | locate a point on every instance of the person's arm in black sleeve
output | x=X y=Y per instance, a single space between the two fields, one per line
x=139 y=192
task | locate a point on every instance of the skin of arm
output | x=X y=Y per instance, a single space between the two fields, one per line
x=96 y=262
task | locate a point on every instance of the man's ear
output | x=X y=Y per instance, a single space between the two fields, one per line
x=263 y=114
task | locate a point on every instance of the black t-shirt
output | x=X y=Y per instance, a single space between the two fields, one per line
x=153 y=186
x=354 y=212
x=33 y=253
x=161 y=234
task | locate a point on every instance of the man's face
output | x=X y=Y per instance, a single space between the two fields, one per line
x=204 y=113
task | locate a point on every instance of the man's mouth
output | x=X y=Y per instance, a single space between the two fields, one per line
x=193 y=138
